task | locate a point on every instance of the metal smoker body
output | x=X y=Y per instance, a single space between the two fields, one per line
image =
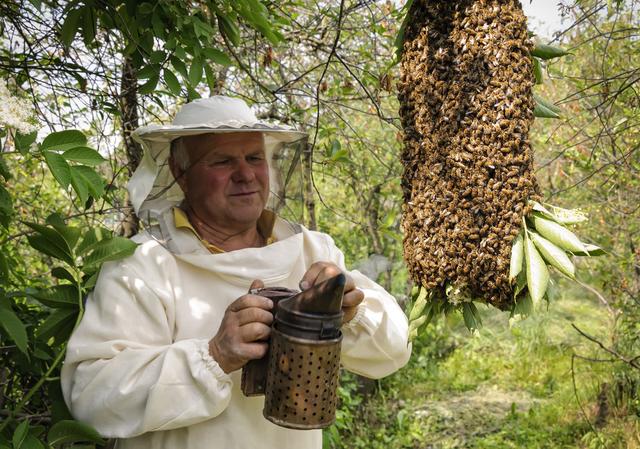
x=304 y=358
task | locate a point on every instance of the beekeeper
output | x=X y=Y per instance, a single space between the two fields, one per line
x=156 y=360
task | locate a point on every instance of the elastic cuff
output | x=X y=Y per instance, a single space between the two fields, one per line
x=210 y=363
x=356 y=319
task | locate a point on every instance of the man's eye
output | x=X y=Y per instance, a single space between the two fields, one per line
x=255 y=158
x=219 y=162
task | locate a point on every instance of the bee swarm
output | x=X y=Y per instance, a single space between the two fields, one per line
x=466 y=108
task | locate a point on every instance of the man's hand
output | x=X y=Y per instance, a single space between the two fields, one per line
x=321 y=271
x=243 y=331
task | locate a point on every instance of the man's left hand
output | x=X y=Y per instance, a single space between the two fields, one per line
x=321 y=271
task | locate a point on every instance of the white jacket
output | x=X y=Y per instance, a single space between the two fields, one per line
x=138 y=366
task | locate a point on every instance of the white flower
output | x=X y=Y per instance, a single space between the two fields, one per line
x=15 y=112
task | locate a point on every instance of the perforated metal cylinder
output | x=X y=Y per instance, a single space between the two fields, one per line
x=302 y=381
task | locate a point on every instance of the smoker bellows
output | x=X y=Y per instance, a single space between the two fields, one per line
x=466 y=107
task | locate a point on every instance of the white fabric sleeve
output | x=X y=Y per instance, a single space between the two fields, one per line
x=125 y=375
x=375 y=341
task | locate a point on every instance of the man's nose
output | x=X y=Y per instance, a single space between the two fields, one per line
x=243 y=172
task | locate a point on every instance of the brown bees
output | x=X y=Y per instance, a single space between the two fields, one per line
x=466 y=105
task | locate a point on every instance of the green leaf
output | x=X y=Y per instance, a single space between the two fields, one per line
x=543 y=112
x=68 y=431
x=567 y=216
x=179 y=66
x=58 y=325
x=523 y=306
x=590 y=250
x=90 y=282
x=544 y=108
x=4 y=169
x=89 y=25
x=195 y=72
x=415 y=324
x=95 y=183
x=557 y=234
x=419 y=305
x=6 y=207
x=23 y=142
x=149 y=71
x=57 y=297
x=70 y=234
x=32 y=442
x=70 y=27
x=64 y=140
x=145 y=9
x=4 y=269
x=157 y=24
x=521 y=281
x=537 y=272
x=341 y=156
x=471 y=316
x=150 y=86
x=90 y=238
x=157 y=57
x=211 y=78
x=58 y=167
x=63 y=274
x=545 y=52
x=80 y=186
x=83 y=155
x=12 y=324
x=335 y=147
x=217 y=56
x=553 y=255
x=43 y=245
x=229 y=29
x=517 y=254
x=53 y=236
x=537 y=71
x=110 y=249
x=172 y=82
x=40 y=243
x=20 y=434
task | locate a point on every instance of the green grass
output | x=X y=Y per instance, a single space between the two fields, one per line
x=510 y=385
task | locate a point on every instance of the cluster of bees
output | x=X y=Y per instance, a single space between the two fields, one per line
x=466 y=108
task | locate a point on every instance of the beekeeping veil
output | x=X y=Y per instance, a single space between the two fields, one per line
x=153 y=190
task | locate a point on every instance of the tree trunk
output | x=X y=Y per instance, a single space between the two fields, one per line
x=309 y=201
x=129 y=110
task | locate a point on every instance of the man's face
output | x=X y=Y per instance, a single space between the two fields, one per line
x=227 y=181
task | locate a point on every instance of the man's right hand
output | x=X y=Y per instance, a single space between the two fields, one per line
x=243 y=331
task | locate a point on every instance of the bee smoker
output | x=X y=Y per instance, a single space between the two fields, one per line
x=304 y=357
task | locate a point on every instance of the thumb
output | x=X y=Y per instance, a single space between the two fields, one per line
x=257 y=283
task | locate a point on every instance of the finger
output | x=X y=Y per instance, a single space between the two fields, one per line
x=353 y=298
x=247 y=301
x=255 y=350
x=256 y=284
x=254 y=332
x=318 y=272
x=254 y=315
x=328 y=272
x=349 y=284
x=348 y=314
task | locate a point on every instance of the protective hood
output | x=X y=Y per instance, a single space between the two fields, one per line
x=153 y=189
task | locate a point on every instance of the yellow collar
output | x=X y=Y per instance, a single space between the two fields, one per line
x=265 y=227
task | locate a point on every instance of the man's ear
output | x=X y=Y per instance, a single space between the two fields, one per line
x=178 y=172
